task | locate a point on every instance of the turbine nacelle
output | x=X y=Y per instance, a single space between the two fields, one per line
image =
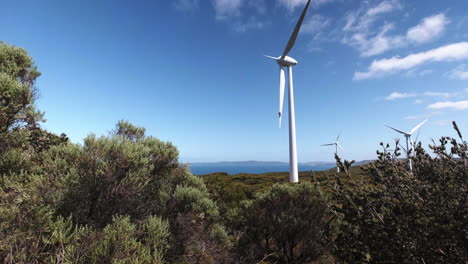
x=284 y=62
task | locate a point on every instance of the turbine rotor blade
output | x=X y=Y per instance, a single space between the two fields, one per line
x=417 y=136
x=281 y=94
x=293 y=37
x=273 y=58
x=397 y=130
x=338 y=137
x=418 y=126
x=340 y=147
x=331 y=144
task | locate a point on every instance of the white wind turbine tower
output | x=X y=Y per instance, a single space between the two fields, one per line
x=409 y=142
x=337 y=145
x=286 y=61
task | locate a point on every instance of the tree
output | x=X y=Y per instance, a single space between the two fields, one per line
x=17 y=93
x=20 y=132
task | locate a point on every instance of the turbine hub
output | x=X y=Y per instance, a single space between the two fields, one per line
x=287 y=61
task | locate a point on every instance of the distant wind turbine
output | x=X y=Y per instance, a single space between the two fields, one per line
x=286 y=61
x=409 y=142
x=337 y=145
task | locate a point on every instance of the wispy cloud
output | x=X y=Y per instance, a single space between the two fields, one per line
x=373 y=42
x=186 y=5
x=293 y=4
x=439 y=94
x=460 y=72
x=315 y=23
x=423 y=116
x=378 y=68
x=443 y=122
x=380 y=43
x=362 y=19
x=250 y=23
x=227 y=8
x=397 y=95
x=234 y=13
x=243 y=15
x=429 y=28
x=359 y=30
x=456 y=105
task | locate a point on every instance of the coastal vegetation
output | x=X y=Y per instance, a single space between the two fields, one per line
x=125 y=198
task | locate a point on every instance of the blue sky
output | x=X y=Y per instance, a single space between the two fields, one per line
x=193 y=72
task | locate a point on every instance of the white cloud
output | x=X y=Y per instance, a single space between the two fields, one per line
x=186 y=5
x=413 y=117
x=380 y=43
x=397 y=95
x=460 y=72
x=441 y=122
x=452 y=52
x=361 y=30
x=233 y=12
x=227 y=8
x=360 y=20
x=423 y=116
x=251 y=23
x=293 y=4
x=429 y=29
x=383 y=7
x=425 y=72
x=315 y=23
x=457 y=105
x=439 y=94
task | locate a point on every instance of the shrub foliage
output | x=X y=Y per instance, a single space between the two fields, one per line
x=401 y=216
x=124 y=198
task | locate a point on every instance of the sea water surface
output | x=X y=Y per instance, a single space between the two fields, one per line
x=200 y=169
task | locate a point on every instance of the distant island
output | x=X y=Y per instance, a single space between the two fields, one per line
x=270 y=163
x=258 y=167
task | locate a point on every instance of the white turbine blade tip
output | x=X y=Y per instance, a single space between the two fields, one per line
x=397 y=130
x=274 y=58
x=293 y=37
x=418 y=126
x=338 y=137
x=340 y=147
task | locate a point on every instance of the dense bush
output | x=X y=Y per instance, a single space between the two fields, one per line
x=285 y=224
x=122 y=198
x=91 y=186
x=407 y=217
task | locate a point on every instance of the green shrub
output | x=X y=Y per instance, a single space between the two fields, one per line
x=285 y=224
x=405 y=217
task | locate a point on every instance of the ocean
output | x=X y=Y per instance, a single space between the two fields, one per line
x=200 y=169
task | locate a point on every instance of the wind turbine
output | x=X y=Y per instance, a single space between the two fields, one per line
x=286 y=61
x=409 y=142
x=337 y=145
